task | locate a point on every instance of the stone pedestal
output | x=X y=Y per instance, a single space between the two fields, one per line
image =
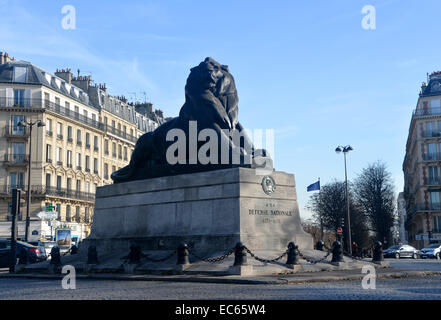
x=210 y=211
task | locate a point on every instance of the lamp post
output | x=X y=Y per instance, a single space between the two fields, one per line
x=348 y=219
x=30 y=124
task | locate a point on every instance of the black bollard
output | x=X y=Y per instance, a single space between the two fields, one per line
x=183 y=254
x=240 y=255
x=293 y=254
x=92 y=255
x=134 y=254
x=319 y=245
x=337 y=252
x=23 y=256
x=378 y=252
x=55 y=256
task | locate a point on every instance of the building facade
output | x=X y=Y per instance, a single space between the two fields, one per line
x=88 y=134
x=422 y=167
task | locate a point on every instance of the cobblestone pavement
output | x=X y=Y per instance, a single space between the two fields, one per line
x=387 y=289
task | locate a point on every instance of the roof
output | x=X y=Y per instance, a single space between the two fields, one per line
x=24 y=72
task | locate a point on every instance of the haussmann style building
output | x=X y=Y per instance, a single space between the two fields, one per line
x=422 y=167
x=88 y=134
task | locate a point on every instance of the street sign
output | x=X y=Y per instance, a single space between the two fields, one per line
x=339 y=230
x=46 y=215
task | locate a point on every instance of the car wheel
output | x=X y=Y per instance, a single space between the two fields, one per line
x=397 y=256
x=414 y=256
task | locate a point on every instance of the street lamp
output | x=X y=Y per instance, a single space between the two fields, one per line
x=348 y=219
x=30 y=124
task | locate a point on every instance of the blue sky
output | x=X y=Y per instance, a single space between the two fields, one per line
x=306 y=69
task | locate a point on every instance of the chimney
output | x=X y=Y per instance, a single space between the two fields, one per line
x=5 y=58
x=82 y=82
x=159 y=113
x=2 y=58
x=66 y=75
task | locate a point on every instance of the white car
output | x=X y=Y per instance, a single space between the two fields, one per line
x=431 y=251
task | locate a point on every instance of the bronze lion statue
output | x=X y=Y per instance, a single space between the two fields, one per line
x=210 y=111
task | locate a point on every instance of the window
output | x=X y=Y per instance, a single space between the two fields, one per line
x=113 y=168
x=69 y=183
x=430 y=128
x=69 y=158
x=67 y=105
x=16 y=180
x=18 y=155
x=78 y=185
x=48 y=180
x=79 y=137
x=87 y=163
x=95 y=143
x=87 y=186
x=19 y=97
x=59 y=156
x=85 y=113
x=431 y=149
x=105 y=121
x=58 y=182
x=93 y=117
x=77 y=214
x=69 y=134
x=78 y=161
x=95 y=165
x=119 y=151
x=48 y=153
x=59 y=130
x=113 y=123
x=106 y=146
x=87 y=140
x=49 y=127
x=57 y=101
x=125 y=153
x=16 y=130
x=114 y=149
x=106 y=171
x=68 y=214
x=86 y=214
x=434 y=200
x=433 y=175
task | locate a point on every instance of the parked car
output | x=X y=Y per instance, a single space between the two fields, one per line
x=431 y=251
x=44 y=245
x=401 y=251
x=34 y=253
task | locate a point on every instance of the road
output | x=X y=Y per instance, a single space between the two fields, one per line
x=425 y=288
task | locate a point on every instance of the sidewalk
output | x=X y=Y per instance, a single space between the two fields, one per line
x=326 y=276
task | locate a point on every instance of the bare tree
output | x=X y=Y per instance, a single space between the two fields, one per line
x=374 y=192
x=329 y=209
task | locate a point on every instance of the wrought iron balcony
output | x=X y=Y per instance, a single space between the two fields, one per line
x=431 y=133
x=435 y=156
x=16 y=159
x=433 y=181
x=16 y=131
x=41 y=190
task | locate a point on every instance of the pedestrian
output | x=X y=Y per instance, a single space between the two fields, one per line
x=354 y=249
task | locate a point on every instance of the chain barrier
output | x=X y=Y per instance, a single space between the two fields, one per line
x=212 y=260
x=265 y=260
x=313 y=261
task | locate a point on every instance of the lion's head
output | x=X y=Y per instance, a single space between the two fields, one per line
x=211 y=86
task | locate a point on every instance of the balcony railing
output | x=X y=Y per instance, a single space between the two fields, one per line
x=426 y=111
x=16 y=158
x=43 y=104
x=433 y=181
x=51 y=191
x=431 y=133
x=428 y=207
x=15 y=131
x=432 y=156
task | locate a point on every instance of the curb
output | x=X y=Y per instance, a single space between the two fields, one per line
x=279 y=281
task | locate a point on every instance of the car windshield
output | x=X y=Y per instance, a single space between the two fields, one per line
x=435 y=245
x=394 y=247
